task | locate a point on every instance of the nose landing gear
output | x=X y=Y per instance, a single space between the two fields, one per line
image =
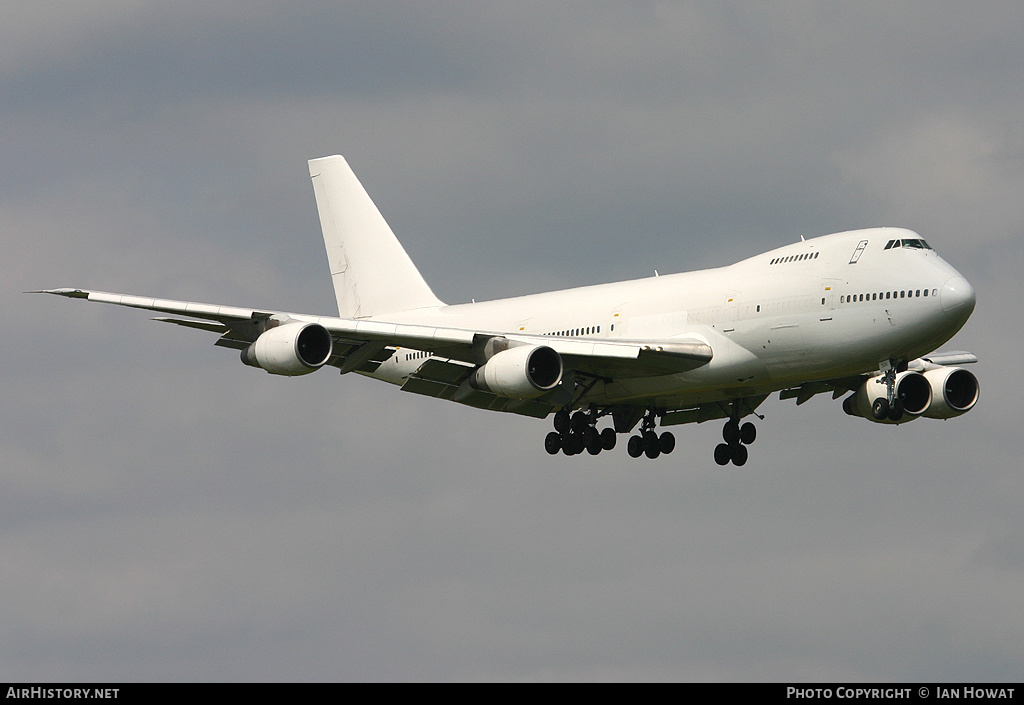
x=891 y=406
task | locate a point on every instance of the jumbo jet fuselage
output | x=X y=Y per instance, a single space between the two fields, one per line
x=853 y=313
x=826 y=307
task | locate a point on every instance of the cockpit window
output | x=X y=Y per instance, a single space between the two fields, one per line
x=915 y=243
x=919 y=244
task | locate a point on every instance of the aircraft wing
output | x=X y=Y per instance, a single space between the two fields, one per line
x=362 y=344
x=839 y=387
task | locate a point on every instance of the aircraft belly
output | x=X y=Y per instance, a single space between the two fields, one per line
x=732 y=368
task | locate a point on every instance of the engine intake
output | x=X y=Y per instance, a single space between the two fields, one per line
x=912 y=390
x=290 y=349
x=522 y=372
x=955 y=391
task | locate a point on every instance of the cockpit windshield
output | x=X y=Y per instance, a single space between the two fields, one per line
x=915 y=243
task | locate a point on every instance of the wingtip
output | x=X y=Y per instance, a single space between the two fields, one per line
x=70 y=293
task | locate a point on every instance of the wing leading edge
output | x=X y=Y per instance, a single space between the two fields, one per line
x=368 y=339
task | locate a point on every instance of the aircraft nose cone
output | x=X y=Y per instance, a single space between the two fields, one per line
x=957 y=297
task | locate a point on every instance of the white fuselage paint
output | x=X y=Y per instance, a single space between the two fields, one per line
x=771 y=326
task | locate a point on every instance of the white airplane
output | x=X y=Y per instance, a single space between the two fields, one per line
x=852 y=313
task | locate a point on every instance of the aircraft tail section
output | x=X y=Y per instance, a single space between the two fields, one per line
x=371 y=272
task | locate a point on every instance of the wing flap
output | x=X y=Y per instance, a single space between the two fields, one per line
x=446 y=379
x=609 y=359
x=711 y=411
x=199 y=325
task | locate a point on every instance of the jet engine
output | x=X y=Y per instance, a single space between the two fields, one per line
x=294 y=348
x=522 y=372
x=913 y=391
x=954 y=391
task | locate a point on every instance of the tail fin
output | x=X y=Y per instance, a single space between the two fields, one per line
x=372 y=273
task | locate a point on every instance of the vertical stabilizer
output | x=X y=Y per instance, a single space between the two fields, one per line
x=371 y=272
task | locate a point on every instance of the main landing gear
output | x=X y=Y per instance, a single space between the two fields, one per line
x=736 y=438
x=576 y=433
x=648 y=442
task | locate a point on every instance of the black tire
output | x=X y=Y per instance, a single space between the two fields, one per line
x=896 y=410
x=608 y=438
x=667 y=442
x=635 y=446
x=592 y=441
x=652 y=451
x=553 y=442
x=580 y=421
x=880 y=409
x=748 y=432
x=573 y=444
x=731 y=432
x=562 y=421
x=739 y=454
x=723 y=454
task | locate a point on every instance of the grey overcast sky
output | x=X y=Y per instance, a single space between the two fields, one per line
x=168 y=514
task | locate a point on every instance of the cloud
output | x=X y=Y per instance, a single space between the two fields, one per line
x=169 y=514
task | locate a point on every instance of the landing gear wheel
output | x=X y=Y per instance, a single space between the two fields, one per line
x=572 y=444
x=666 y=442
x=739 y=454
x=579 y=422
x=880 y=409
x=723 y=454
x=731 y=432
x=553 y=442
x=562 y=421
x=651 y=445
x=635 y=447
x=592 y=440
x=608 y=438
x=896 y=410
x=748 y=432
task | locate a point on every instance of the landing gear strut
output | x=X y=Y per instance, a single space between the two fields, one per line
x=648 y=442
x=891 y=406
x=576 y=433
x=736 y=438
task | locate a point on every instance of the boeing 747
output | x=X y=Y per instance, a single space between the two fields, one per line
x=855 y=314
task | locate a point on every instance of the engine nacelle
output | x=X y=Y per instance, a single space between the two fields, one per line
x=522 y=372
x=912 y=389
x=954 y=391
x=291 y=349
